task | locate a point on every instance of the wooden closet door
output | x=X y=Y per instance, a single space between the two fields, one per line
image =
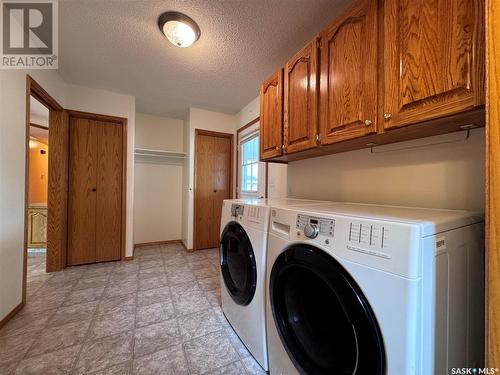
x=222 y=180
x=109 y=191
x=82 y=197
x=213 y=185
x=95 y=191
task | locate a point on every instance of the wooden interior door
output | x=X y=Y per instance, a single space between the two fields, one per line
x=433 y=59
x=213 y=153
x=348 y=87
x=271 y=116
x=95 y=191
x=301 y=95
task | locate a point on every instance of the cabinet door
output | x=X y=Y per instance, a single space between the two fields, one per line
x=37 y=227
x=300 y=114
x=271 y=116
x=348 y=81
x=433 y=59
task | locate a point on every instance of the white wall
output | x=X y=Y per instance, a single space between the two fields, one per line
x=277 y=172
x=12 y=176
x=449 y=175
x=208 y=120
x=186 y=188
x=112 y=104
x=249 y=113
x=277 y=180
x=158 y=182
x=161 y=133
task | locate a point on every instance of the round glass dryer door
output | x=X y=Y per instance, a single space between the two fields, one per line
x=324 y=321
x=238 y=266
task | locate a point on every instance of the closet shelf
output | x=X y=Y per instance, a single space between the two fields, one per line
x=146 y=152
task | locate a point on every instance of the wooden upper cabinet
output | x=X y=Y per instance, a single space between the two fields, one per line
x=433 y=59
x=271 y=116
x=382 y=65
x=348 y=81
x=301 y=95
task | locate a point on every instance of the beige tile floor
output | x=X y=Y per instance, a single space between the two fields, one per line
x=157 y=314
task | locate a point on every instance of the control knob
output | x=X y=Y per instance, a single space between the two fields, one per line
x=311 y=230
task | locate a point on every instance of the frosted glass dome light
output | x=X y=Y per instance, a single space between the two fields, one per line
x=179 y=29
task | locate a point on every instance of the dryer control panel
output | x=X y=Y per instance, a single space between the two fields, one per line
x=319 y=225
x=375 y=242
x=368 y=234
x=237 y=210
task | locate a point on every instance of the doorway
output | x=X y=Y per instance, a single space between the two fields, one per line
x=213 y=184
x=38 y=167
x=40 y=252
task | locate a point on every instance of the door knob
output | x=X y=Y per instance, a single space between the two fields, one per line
x=94 y=189
x=387 y=116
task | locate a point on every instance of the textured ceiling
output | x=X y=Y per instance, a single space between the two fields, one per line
x=116 y=45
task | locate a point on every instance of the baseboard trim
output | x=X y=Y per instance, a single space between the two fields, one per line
x=11 y=314
x=185 y=247
x=129 y=258
x=156 y=243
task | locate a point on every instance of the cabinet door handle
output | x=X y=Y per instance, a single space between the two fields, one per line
x=277 y=148
x=94 y=189
x=387 y=116
x=215 y=191
x=368 y=122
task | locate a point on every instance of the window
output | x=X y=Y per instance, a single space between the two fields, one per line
x=250 y=164
x=252 y=173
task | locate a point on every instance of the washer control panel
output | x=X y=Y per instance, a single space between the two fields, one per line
x=314 y=226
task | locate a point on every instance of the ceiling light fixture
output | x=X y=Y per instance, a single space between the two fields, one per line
x=33 y=143
x=179 y=29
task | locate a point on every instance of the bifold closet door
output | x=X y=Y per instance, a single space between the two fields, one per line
x=82 y=197
x=95 y=183
x=109 y=191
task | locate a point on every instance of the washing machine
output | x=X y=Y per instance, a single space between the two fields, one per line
x=243 y=248
x=365 y=289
